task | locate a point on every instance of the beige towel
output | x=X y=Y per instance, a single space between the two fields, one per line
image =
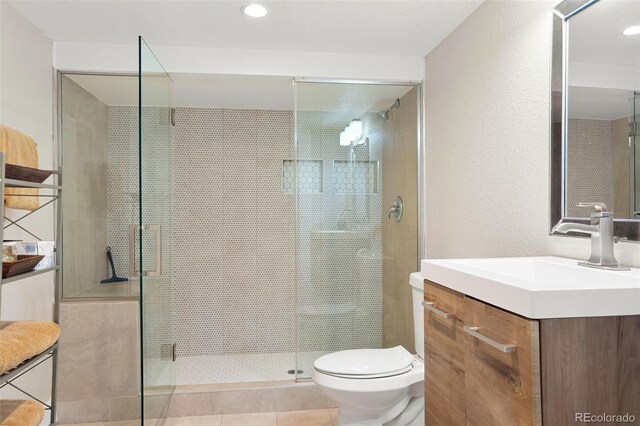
x=22 y=340
x=15 y=412
x=21 y=150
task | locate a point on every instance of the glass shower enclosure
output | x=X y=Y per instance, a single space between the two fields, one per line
x=150 y=248
x=350 y=141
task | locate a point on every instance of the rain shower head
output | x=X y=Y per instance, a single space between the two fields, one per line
x=385 y=113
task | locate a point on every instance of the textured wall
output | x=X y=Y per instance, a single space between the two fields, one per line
x=84 y=131
x=400 y=239
x=487 y=138
x=589 y=165
x=487 y=134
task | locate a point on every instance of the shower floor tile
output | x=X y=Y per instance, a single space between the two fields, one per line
x=239 y=368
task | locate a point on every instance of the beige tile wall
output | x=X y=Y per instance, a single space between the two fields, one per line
x=98 y=364
x=284 y=397
x=400 y=239
x=84 y=133
x=620 y=153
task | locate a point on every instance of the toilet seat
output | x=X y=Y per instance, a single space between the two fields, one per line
x=365 y=363
x=367 y=376
x=363 y=384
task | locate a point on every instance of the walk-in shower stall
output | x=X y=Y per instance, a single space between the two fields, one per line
x=274 y=220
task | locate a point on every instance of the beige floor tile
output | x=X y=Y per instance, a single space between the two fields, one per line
x=194 y=421
x=81 y=424
x=114 y=423
x=333 y=413
x=304 y=418
x=259 y=419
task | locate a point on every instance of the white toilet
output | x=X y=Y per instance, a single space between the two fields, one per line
x=375 y=387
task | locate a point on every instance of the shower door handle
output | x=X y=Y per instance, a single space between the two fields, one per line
x=157 y=229
x=133 y=272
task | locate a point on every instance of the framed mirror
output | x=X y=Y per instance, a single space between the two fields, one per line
x=595 y=112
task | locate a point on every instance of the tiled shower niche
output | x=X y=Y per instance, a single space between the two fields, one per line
x=309 y=176
x=359 y=177
x=348 y=177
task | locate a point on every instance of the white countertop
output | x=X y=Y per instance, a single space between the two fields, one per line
x=540 y=287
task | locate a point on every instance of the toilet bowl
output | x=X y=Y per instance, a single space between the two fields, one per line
x=375 y=387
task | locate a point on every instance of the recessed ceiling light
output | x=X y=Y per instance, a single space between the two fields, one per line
x=255 y=10
x=632 y=30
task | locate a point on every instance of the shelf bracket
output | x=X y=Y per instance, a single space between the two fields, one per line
x=22 y=227
x=30 y=213
x=10 y=381
x=27 y=394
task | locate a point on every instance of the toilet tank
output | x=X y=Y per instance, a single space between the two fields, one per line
x=417 y=292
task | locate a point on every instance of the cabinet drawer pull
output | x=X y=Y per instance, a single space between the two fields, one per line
x=429 y=306
x=499 y=346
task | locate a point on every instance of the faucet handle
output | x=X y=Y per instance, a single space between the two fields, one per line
x=600 y=207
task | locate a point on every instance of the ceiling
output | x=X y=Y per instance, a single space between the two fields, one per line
x=595 y=34
x=374 y=27
x=598 y=104
x=241 y=92
x=194 y=90
x=357 y=98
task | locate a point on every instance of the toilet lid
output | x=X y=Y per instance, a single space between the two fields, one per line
x=366 y=362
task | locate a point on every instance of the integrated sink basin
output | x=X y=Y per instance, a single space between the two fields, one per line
x=540 y=287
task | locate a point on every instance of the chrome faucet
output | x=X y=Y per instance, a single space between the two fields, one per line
x=602 y=238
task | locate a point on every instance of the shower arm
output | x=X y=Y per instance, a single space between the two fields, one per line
x=385 y=113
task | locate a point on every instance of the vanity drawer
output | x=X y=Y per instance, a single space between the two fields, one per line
x=444 y=356
x=502 y=366
x=444 y=300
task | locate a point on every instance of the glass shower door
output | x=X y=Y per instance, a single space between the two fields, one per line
x=151 y=240
x=356 y=154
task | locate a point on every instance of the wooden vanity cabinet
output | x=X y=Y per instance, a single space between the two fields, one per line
x=444 y=356
x=590 y=365
x=486 y=366
x=502 y=385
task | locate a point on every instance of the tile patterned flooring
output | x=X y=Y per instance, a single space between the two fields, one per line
x=287 y=418
x=240 y=368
